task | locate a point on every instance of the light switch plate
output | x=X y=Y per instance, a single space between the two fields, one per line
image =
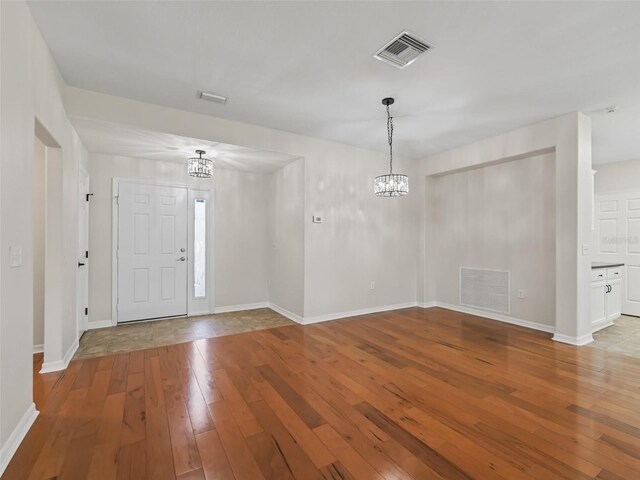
x=15 y=256
x=585 y=249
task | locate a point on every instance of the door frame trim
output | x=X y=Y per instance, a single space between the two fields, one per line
x=115 y=188
x=82 y=170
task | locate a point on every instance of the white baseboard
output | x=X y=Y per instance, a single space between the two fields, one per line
x=286 y=313
x=427 y=304
x=336 y=316
x=578 y=341
x=240 y=308
x=355 y=313
x=38 y=348
x=605 y=324
x=497 y=316
x=99 y=324
x=13 y=442
x=58 y=365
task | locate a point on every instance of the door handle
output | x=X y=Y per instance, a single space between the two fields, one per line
x=181 y=259
x=608 y=289
x=80 y=264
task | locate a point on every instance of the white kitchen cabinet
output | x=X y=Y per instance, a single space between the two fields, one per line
x=598 y=304
x=614 y=299
x=606 y=297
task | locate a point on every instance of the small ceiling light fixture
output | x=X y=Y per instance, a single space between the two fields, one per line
x=611 y=109
x=199 y=166
x=393 y=184
x=212 y=97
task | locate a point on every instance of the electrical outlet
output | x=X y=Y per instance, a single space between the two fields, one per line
x=372 y=286
x=317 y=219
x=520 y=293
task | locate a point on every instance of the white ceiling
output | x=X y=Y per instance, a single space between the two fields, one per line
x=307 y=67
x=128 y=141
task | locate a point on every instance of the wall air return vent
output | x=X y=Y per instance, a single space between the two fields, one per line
x=402 y=50
x=485 y=289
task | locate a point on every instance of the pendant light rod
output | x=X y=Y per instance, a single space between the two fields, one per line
x=386 y=102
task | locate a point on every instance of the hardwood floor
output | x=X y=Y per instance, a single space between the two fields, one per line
x=411 y=394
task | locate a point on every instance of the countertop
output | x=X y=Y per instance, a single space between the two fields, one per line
x=595 y=265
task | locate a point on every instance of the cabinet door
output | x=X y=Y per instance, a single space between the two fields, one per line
x=614 y=299
x=598 y=304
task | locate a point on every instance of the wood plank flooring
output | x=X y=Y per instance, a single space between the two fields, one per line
x=411 y=394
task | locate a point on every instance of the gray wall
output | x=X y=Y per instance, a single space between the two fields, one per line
x=499 y=217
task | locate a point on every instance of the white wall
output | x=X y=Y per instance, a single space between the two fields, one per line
x=500 y=217
x=363 y=238
x=240 y=228
x=359 y=241
x=618 y=176
x=39 y=218
x=286 y=238
x=570 y=137
x=31 y=87
x=241 y=238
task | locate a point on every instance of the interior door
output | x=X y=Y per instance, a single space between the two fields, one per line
x=617 y=230
x=82 y=284
x=151 y=251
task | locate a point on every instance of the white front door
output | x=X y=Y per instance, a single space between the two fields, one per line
x=617 y=239
x=151 y=251
x=82 y=284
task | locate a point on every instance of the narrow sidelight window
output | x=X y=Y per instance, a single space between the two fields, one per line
x=200 y=248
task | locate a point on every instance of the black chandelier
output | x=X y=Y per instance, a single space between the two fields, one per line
x=199 y=166
x=393 y=184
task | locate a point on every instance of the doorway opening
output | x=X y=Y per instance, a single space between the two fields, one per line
x=47 y=204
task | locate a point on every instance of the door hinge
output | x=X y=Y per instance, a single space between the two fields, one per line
x=86 y=310
x=86 y=254
x=88 y=195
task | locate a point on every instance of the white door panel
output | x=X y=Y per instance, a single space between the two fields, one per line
x=633 y=232
x=606 y=206
x=608 y=234
x=618 y=240
x=633 y=205
x=633 y=283
x=152 y=246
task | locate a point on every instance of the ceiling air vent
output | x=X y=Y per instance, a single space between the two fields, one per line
x=402 y=50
